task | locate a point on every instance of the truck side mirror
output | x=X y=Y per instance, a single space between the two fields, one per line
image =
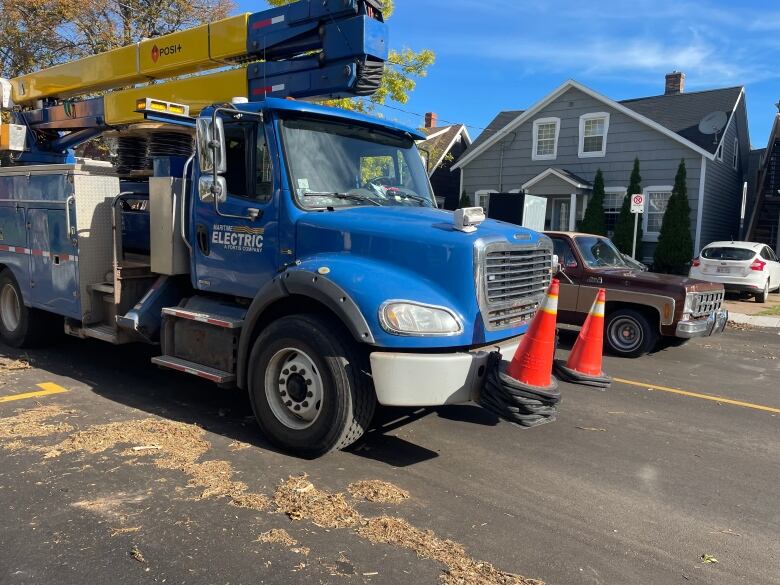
x=211 y=144
x=206 y=191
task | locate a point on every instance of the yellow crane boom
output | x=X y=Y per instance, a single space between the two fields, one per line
x=208 y=46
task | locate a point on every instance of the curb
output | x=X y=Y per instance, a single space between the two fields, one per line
x=755 y=320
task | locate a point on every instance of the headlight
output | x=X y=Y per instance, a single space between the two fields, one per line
x=408 y=318
x=689 y=301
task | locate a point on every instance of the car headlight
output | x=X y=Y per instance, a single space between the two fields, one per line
x=690 y=298
x=409 y=318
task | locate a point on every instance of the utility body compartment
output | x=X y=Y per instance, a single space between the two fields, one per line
x=56 y=233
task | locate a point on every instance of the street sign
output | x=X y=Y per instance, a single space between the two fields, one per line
x=637 y=203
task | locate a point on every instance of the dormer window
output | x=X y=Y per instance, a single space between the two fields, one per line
x=546 y=132
x=593 y=134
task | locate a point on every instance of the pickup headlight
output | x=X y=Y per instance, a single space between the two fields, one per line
x=410 y=318
x=689 y=301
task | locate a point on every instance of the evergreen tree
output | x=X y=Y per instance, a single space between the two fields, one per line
x=675 y=246
x=464 y=201
x=593 y=222
x=624 y=227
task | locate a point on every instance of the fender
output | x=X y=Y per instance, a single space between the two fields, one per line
x=307 y=284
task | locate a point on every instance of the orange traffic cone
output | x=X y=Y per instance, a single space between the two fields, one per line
x=584 y=363
x=533 y=360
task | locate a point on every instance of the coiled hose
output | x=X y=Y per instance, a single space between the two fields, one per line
x=514 y=401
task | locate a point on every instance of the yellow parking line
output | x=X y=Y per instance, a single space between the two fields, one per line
x=699 y=395
x=45 y=389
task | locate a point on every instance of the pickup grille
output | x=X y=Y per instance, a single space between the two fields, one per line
x=514 y=281
x=706 y=303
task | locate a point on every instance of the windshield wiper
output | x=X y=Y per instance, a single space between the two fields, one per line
x=337 y=195
x=421 y=200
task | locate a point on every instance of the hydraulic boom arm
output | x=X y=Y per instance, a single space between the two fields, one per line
x=312 y=48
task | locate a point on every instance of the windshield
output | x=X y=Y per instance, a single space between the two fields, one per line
x=337 y=165
x=727 y=253
x=599 y=252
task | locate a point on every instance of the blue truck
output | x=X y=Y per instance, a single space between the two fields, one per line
x=285 y=248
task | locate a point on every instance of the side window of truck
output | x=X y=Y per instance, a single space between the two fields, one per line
x=263 y=170
x=565 y=255
x=249 y=173
x=236 y=136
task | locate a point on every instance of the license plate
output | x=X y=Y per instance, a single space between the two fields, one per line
x=724 y=269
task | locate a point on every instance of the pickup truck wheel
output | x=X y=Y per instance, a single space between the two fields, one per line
x=308 y=385
x=20 y=326
x=762 y=296
x=629 y=333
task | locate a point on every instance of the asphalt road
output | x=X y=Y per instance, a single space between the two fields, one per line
x=629 y=485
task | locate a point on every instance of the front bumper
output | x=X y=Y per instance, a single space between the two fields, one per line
x=712 y=325
x=433 y=379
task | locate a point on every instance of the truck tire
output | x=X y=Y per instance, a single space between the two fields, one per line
x=309 y=386
x=762 y=296
x=20 y=326
x=629 y=333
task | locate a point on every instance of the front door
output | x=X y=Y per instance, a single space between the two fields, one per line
x=558 y=214
x=234 y=254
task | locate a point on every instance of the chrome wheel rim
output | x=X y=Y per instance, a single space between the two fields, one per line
x=10 y=308
x=625 y=334
x=294 y=388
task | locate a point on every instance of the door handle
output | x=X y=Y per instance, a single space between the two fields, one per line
x=202 y=235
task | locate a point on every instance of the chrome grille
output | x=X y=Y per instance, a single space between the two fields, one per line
x=706 y=303
x=514 y=280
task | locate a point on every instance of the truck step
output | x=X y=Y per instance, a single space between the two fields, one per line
x=104 y=287
x=211 y=319
x=212 y=374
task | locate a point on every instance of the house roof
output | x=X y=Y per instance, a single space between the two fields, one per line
x=496 y=124
x=568 y=176
x=682 y=112
x=651 y=111
x=439 y=142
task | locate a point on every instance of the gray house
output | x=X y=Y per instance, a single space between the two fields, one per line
x=554 y=148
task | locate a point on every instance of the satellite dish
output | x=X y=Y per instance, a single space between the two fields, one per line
x=713 y=122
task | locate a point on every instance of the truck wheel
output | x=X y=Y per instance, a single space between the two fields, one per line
x=629 y=333
x=20 y=326
x=309 y=386
x=762 y=296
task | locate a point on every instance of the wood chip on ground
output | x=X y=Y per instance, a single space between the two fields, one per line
x=461 y=569
x=298 y=498
x=277 y=536
x=25 y=424
x=12 y=365
x=177 y=446
x=375 y=490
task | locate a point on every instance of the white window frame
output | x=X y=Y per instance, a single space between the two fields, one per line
x=648 y=236
x=483 y=193
x=580 y=149
x=735 y=155
x=620 y=190
x=537 y=123
x=719 y=152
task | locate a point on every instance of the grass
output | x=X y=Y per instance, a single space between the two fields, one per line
x=771 y=312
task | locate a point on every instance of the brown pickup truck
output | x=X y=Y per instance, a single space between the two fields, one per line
x=642 y=308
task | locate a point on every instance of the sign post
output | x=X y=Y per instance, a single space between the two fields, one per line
x=637 y=207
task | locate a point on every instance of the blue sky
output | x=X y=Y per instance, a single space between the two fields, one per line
x=506 y=54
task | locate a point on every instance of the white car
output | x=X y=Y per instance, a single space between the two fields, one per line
x=739 y=266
